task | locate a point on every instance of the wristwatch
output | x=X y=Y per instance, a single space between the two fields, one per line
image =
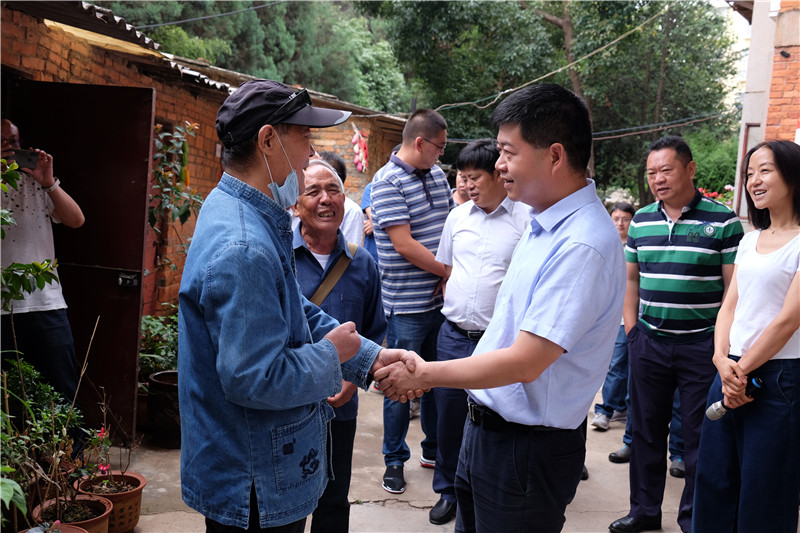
x=53 y=186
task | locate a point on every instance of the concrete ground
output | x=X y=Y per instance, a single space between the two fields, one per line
x=599 y=500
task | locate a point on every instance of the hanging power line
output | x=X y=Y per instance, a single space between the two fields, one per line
x=568 y=65
x=251 y=8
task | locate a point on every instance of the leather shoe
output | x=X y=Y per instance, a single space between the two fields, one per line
x=442 y=512
x=677 y=468
x=623 y=455
x=634 y=524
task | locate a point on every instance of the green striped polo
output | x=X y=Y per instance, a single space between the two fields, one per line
x=680 y=264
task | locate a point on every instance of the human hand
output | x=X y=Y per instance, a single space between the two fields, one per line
x=43 y=173
x=344 y=395
x=346 y=340
x=733 y=399
x=403 y=382
x=731 y=375
x=368 y=229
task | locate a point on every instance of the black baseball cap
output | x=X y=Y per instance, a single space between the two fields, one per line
x=259 y=102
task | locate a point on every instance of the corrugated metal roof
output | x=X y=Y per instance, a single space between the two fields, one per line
x=102 y=22
x=87 y=17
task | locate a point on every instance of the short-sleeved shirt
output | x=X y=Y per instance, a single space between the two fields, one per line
x=399 y=197
x=565 y=283
x=680 y=266
x=478 y=245
x=31 y=240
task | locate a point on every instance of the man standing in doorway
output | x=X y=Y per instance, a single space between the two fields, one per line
x=410 y=202
x=680 y=255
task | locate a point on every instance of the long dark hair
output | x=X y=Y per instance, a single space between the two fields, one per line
x=786 y=155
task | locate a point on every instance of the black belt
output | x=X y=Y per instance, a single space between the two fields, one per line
x=473 y=335
x=487 y=418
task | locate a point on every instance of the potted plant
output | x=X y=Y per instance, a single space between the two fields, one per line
x=37 y=452
x=122 y=487
x=158 y=361
x=55 y=527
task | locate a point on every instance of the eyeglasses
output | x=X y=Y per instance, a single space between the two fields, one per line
x=441 y=148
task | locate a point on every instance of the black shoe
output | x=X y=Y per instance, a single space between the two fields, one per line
x=442 y=512
x=584 y=474
x=677 y=469
x=633 y=524
x=623 y=455
x=393 y=480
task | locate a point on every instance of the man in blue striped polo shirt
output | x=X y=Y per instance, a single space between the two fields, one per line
x=410 y=202
x=680 y=255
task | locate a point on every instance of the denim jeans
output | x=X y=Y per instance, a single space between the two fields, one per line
x=748 y=469
x=416 y=332
x=615 y=387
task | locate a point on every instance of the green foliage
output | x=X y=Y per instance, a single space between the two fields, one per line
x=463 y=52
x=35 y=440
x=171 y=194
x=11 y=493
x=158 y=348
x=320 y=45
x=714 y=152
x=178 y=42
x=22 y=278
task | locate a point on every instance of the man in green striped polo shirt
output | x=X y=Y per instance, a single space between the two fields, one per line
x=680 y=255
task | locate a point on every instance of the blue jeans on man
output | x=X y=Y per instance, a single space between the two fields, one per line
x=416 y=332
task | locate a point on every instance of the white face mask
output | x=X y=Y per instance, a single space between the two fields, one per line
x=285 y=195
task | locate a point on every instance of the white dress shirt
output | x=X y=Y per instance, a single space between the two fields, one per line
x=479 y=247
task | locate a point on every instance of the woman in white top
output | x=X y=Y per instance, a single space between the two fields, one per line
x=748 y=469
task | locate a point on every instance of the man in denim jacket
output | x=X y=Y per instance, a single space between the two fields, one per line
x=257 y=361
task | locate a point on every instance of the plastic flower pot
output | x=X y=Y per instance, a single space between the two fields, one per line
x=163 y=409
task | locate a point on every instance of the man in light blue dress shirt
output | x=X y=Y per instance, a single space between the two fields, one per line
x=536 y=369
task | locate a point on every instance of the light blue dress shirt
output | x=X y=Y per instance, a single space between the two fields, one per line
x=566 y=283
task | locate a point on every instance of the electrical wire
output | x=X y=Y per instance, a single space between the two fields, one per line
x=206 y=17
x=552 y=73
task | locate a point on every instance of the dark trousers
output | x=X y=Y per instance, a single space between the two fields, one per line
x=748 y=470
x=657 y=368
x=332 y=514
x=44 y=339
x=517 y=480
x=213 y=526
x=451 y=412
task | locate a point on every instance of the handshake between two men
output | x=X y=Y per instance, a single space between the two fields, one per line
x=393 y=369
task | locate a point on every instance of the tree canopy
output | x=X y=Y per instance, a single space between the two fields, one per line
x=672 y=69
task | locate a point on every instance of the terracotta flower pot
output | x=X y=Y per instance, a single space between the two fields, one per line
x=99 y=524
x=127 y=505
x=65 y=528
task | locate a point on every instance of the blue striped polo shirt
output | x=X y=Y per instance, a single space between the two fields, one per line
x=401 y=197
x=680 y=265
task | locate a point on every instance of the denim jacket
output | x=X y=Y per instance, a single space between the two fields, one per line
x=254 y=371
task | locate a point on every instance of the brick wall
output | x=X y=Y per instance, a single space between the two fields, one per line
x=783 y=113
x=50 y=54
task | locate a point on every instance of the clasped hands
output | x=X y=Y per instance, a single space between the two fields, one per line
x=734 y=383
x=397 y=373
